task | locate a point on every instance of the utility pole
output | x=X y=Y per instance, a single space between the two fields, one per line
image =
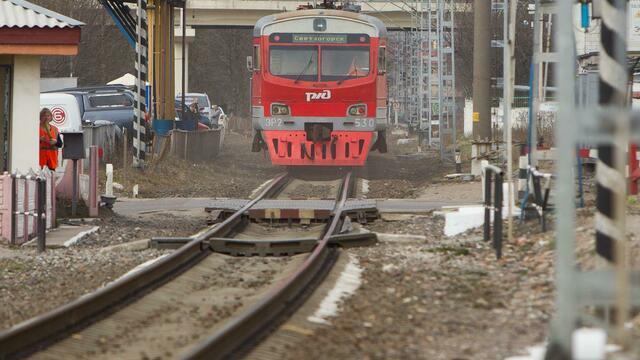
x=481 y=70
x=509 y=66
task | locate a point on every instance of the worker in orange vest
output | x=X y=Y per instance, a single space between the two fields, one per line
x=49 y=140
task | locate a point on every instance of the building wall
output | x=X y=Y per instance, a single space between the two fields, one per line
x=57 y=83
x=25 y=113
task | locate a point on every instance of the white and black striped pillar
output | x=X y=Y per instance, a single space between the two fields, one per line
x=523 y=172
x=139 y=124
x=611 y=185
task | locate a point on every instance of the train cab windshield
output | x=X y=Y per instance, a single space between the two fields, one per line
x=338 y=63
x=294 y=62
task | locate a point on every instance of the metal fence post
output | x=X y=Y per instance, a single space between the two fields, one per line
x=74 y=189
x=14 y=205
x=94 y=164
x=25 y=209
x=41 y=211
x=487 y=204
x=497 y=216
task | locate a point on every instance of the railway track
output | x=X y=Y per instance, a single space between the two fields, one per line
x=116 y=319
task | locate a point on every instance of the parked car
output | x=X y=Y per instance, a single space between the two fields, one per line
x=204 y=104
x=112 y=103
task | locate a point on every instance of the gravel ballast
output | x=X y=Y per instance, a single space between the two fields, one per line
x=439 y=298
x=33 y=283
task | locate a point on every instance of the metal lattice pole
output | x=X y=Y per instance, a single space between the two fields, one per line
x=139 y=130
x=420 y=63
x=566 y=311
x=434 y=70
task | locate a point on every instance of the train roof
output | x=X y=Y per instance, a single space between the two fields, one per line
x=269 y=19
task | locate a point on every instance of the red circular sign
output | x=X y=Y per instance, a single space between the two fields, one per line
x=59 y=115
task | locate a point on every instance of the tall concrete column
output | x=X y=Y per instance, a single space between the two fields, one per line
x=482 y=70
x=190 y=37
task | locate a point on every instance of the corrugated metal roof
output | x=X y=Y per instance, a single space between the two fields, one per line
x=23 y=14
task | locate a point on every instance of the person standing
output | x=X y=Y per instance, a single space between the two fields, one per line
x=49 y=140
x=215 y=117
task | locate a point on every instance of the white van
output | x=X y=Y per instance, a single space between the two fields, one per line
x=65 y=110
x=66 y=117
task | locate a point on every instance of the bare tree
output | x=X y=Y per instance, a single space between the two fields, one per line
x=216 y=66
x=103 y=54
x=464 y=46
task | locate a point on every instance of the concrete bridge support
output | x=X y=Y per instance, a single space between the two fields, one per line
x=189 y=38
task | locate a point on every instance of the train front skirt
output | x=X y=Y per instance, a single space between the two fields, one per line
x=344 y=148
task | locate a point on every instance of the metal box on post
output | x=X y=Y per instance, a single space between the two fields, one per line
x=73 y=148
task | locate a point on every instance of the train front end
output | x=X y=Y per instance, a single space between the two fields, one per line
x=319 y=95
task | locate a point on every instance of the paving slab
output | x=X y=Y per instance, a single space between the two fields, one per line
x=133 y=207
x=65 y=235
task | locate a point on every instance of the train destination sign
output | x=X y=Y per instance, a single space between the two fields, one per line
x=319 y=38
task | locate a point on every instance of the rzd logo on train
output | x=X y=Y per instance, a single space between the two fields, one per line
x=323 y=95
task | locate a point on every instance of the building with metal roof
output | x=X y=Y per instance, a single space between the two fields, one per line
x=26 y=28
x=21 y=14
x=27 y=32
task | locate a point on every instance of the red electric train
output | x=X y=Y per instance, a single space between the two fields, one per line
x=319 y=87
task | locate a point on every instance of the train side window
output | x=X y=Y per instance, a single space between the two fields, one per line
x=256 y=57
x=382 y=60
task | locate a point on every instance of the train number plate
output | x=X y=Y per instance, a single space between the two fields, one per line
x=365 y=123
x=273 y=122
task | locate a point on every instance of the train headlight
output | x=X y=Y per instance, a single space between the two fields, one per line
x=279 y=109
x=357 y=110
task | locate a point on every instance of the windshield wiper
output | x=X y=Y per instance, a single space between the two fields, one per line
x=305 y=69
x=348 y=76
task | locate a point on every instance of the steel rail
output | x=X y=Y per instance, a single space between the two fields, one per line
x=37 y=333
x=240 y=333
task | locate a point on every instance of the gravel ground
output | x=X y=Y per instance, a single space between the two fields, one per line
x=448 y=297
x=235 y=173
x=117 y=229
x=469 y=191
x=33 y=283
x=305 y=189
x=401 y=173
x=439 y=298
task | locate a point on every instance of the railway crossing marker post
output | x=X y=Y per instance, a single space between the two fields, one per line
x=610 y=169
x=139 y=127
